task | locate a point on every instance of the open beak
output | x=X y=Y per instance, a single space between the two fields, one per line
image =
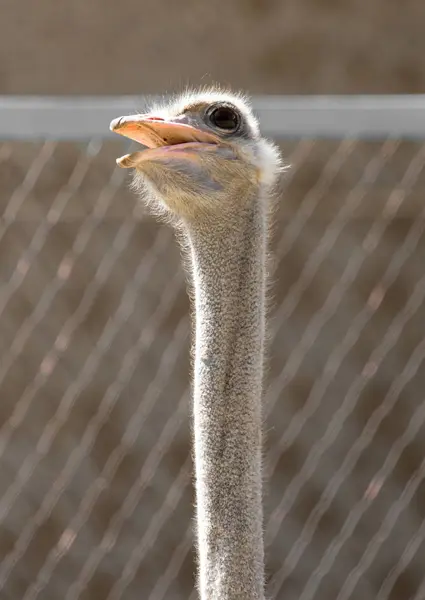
x=157 y=133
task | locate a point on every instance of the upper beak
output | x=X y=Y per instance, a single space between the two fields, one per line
x=155 y=132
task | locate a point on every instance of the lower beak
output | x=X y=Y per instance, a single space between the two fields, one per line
x=187 y=151
x=155 y=132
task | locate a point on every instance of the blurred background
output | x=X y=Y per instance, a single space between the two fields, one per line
x=95 y=465
x=263 y=46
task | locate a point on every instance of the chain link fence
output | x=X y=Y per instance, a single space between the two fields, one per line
x=95 y=460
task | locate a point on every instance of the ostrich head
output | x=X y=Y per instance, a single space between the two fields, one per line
x=204 y=155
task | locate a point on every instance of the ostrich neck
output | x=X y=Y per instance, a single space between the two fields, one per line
x=229 y=273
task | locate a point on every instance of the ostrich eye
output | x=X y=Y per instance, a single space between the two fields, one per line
x=224 y=117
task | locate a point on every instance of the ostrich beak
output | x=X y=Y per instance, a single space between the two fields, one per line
x=160 y=136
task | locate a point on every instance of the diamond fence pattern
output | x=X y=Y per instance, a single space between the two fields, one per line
x=95 y=461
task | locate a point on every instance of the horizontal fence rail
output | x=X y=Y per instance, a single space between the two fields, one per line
x=365 y=117
x=96 y=494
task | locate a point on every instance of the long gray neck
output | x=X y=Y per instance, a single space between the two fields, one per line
x=229 y=279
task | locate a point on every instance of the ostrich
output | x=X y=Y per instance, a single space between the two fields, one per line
x=208 y=170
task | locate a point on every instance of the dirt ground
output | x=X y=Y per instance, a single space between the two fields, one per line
x=263 y=46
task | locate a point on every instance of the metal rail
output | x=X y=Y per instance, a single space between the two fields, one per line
x=84 y=117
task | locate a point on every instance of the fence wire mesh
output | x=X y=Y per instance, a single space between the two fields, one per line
x=95 y=462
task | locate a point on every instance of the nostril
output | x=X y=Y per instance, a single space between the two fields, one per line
x=155 y=119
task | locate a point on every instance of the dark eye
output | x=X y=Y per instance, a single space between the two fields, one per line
x=224 y=117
